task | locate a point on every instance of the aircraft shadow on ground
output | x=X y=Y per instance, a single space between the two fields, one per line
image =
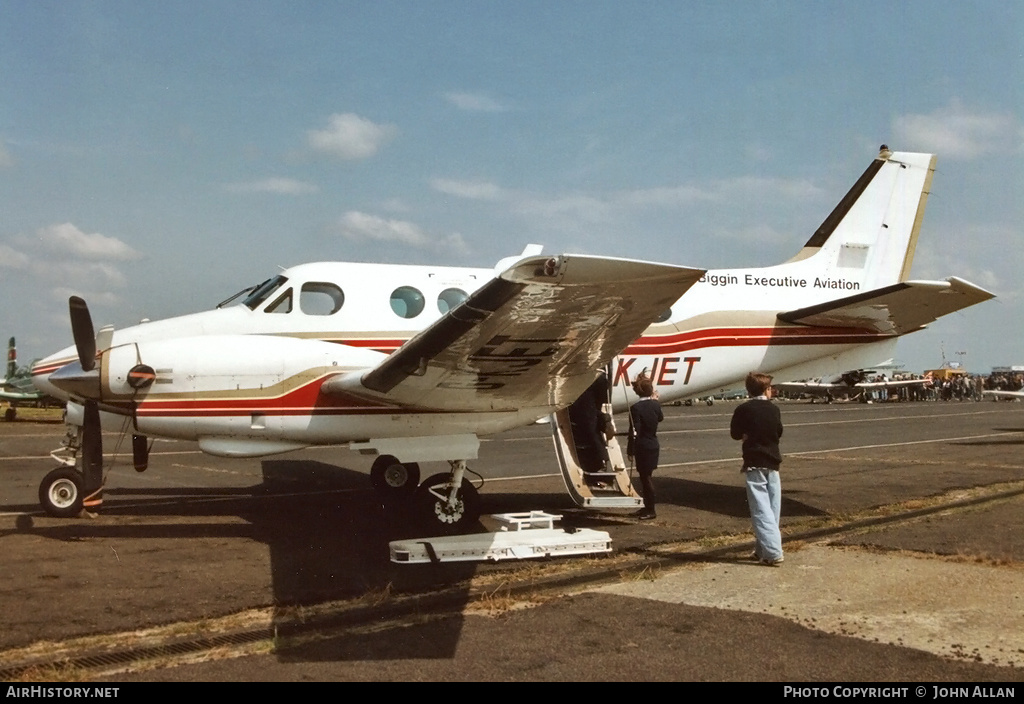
x=995 y=441
x=327 y=532
x=723 y=499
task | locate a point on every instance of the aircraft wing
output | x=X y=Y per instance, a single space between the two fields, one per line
x=1004 y=394
x=532 y=337
x=892 y=384
x=892 y=310
x=11 y=394
x=818 y=388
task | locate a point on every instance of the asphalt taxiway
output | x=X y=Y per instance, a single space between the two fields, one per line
x=904 y=554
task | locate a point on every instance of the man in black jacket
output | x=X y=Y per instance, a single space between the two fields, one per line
x=758 y=424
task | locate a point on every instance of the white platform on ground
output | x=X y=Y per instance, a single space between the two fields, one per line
x=525 y=535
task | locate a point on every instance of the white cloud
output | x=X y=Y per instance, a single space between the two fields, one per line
x=66 y=239
x=285 y=186
x=71 y=261
x=956 y=132
x=472 y=190
x=11 y=258
x=474 y=102
x=355 y=225
x=86 y=276
x=350 y=137
x=93 y=296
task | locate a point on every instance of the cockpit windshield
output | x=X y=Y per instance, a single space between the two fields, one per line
x=231 y=299
x=263 y=291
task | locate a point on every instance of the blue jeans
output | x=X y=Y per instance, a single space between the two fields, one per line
x=764 y=495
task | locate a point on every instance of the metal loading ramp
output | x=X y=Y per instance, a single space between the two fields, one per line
x=523 y=536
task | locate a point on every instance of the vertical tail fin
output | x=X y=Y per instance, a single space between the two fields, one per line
x=870 y=237
x=12 y=359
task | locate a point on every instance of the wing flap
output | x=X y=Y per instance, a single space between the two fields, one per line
x=531 y=337
x=892 y=310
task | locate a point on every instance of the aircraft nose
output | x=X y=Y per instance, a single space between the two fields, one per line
x=45 y=368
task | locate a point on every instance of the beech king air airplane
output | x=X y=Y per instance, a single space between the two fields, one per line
x=847 y=384
x=415 y=363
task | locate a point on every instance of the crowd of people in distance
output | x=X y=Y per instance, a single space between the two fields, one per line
x=958 y=387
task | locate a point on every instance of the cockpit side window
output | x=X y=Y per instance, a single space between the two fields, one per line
x=283 y=304
x=319 y=298
x=263 y=291
x=407 y=302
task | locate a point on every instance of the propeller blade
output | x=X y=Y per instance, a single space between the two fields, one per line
x=92 y=448
x=83 y=332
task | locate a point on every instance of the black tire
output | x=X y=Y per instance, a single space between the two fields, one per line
x=393 y=478
x=60 y=492
x=710 y=401
x=10 y=414
x=432 y=502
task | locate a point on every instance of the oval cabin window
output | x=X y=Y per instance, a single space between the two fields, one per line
x=407 y=302
x=449 y=298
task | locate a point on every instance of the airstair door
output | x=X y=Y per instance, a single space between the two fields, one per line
x=609 y=488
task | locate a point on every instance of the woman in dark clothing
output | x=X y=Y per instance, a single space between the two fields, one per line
x=644 y=417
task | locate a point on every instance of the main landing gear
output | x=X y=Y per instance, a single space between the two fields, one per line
x=392 y=478
x=445 y=502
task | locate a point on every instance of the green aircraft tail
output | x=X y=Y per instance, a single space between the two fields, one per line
x=12 y=359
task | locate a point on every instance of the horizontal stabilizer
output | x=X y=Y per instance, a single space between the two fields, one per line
x=892 y=310
x=532 y=337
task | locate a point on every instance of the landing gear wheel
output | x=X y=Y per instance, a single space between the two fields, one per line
x=60 y=492
x=432 y=499
x=710 y=401
x=391 y=478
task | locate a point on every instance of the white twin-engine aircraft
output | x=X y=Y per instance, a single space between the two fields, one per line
x=415 y=363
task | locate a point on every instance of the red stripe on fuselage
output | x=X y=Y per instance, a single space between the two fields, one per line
x=749 y=337
x=304 y=400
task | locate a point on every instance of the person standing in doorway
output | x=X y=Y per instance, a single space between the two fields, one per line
x=758 y=423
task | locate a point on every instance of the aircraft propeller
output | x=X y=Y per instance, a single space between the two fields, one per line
x=63 y=491
x=83 y=332
x=92 y=433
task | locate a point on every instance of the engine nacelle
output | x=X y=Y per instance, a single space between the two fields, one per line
x=224 y=385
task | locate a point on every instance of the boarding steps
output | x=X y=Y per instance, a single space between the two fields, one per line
x=523 y=536
x=609 y=489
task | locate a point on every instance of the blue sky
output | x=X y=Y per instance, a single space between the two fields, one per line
x=156 y=157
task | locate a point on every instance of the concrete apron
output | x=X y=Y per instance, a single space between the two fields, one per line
x=965 y=610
